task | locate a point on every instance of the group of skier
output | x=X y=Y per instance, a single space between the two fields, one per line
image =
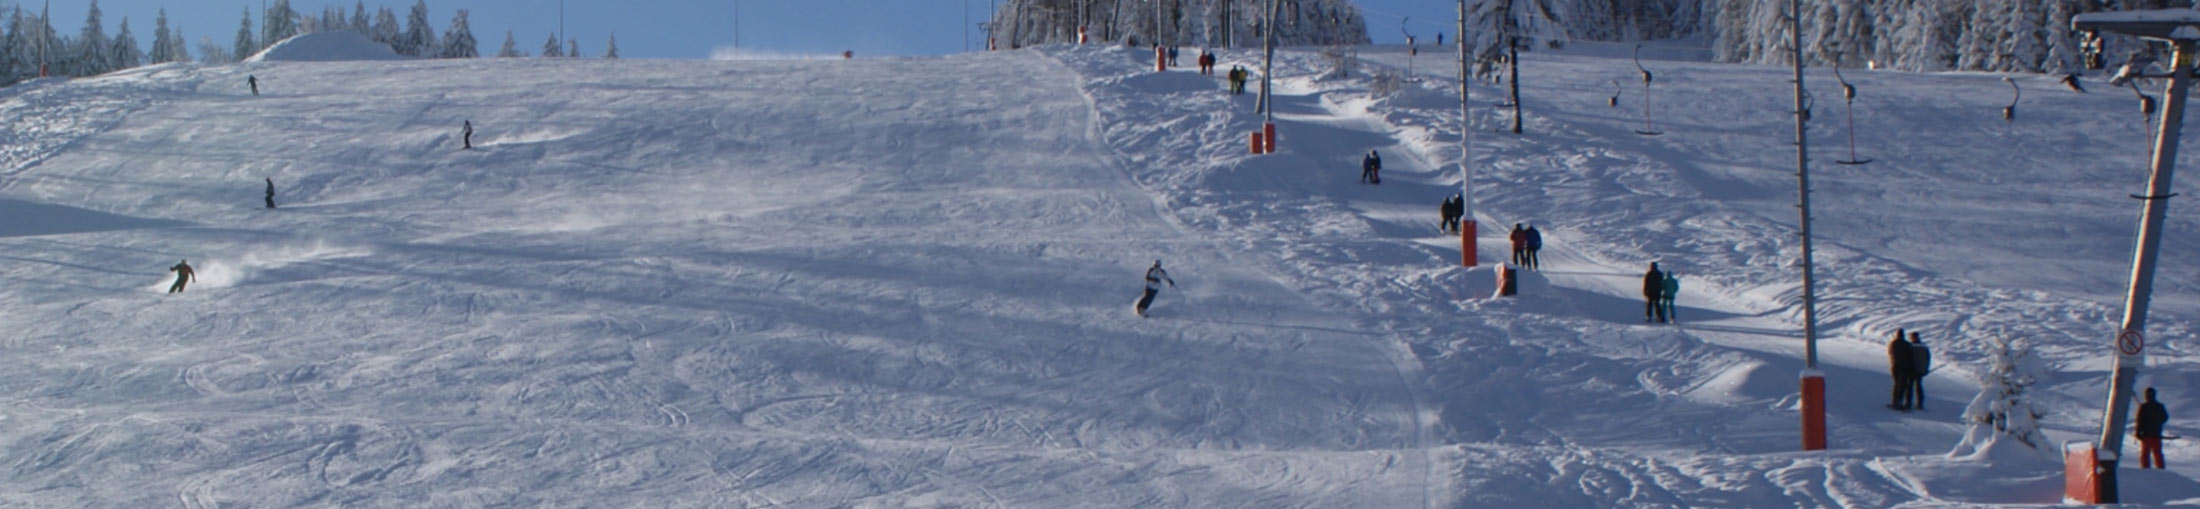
x=1908 y=362
x=1527 y=244
x=1454 y=207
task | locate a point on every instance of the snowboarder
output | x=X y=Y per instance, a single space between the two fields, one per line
x=254 y=82
x=1666 y=293
x=1371 y=168
x=1154 y=277
x=183 y=275
x=1653 y=287
x=1535 y=245
x=2148 y=428
x=1900 y=365
x=1519 y=238
x=467 y=133
x=1921 y=362
x=271 y=193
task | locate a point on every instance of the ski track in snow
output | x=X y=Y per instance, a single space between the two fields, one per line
x=905 y=282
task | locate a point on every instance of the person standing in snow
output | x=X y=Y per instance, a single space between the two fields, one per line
x=1535 y=245
x=1901 y=366
x=1371 y=168
x=254 y=82
x=1172 y=56
x=1519 y=238
x=1451 y=211
x=1921 y=362
x=1206 y=62
x=467 y=134
x=1154 y=277
x=271 y=193
x=2148 y=428
x=183 y=275
x=1666 y=293
x=1653 y=287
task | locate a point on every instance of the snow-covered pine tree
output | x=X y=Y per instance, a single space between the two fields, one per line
x=419 y=38
x=611 y=47
x=458 y=41
x=90 y=56
x=1735 y=43
x=2004 y=407
x=1975 y=48
x=244 y=46
x=213 y=53
x=511 y=47
x=177 y=52
x=2062 y=56
x=124 y=52
x=551 y=48
x=1020 y=23
x=359 y=18
x=1851 y=42
x=278 y=22
x=2023 y=45
x=385 y=28
x=11 y=40
x=162 y=51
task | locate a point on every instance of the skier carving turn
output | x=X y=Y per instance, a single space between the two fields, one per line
x=183 y=276
x=1154 y=277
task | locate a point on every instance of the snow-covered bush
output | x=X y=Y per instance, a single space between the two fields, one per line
x=1343 y=60
x=2004 y=407
x=1384 y=85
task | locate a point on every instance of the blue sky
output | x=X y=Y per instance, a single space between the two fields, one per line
x=683 y=28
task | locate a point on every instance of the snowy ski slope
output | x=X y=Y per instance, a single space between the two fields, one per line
x=907 y=282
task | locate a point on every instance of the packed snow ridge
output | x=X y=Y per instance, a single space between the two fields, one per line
x=326 y=47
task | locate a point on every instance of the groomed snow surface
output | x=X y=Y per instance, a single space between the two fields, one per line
x=907 y=283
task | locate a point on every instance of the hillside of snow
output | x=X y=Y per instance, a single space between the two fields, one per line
x=907 y=282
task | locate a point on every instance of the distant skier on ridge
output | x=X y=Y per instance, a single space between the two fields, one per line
x=1154 y=277
x=466 y=134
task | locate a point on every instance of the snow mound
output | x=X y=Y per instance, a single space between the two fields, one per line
x=326 y=47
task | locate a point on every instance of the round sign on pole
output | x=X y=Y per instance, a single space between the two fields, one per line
x=2130 y=342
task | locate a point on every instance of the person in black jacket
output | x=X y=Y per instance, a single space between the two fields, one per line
x=1653 y=288
x=1535 y=244
x=1901 y=366
x=2148 y=427
x=1921 y=362
x=271 y=193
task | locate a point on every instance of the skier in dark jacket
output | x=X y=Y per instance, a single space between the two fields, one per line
x=253 y=81
x=183 y=275
x=1535 y=244
x=1154 y=277
x=1653 y=289
x=271 y=193
x=1901 y=366
x=1371 y=168
x=467 y=134
x=1451 y=210
x=2148 y=428
x=1921 y=362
